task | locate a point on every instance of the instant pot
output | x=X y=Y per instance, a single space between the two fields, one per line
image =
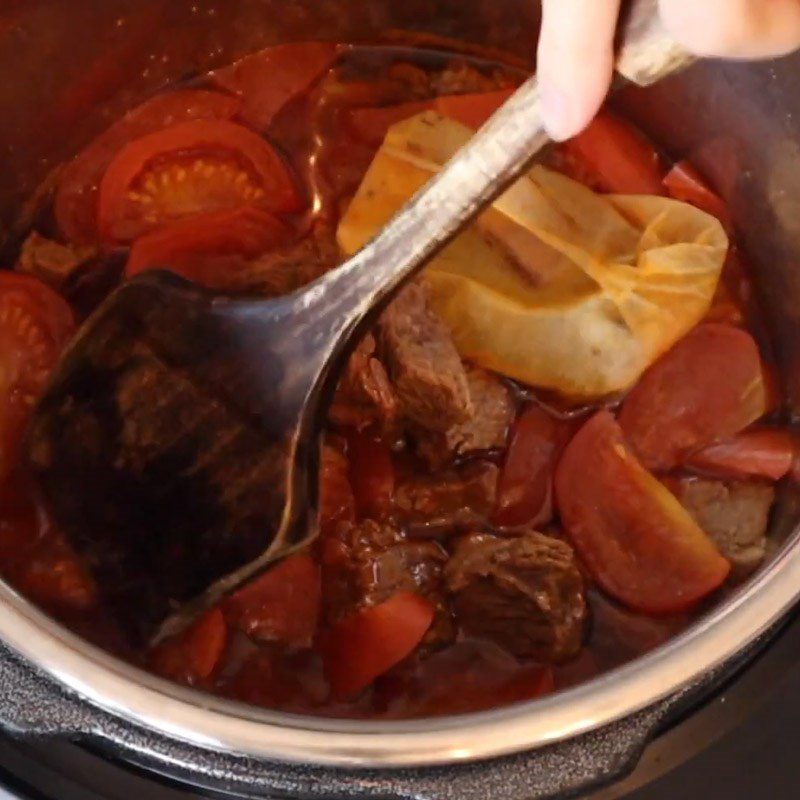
x=72 y=66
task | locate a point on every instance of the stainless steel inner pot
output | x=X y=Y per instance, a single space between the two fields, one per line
x=70 y=67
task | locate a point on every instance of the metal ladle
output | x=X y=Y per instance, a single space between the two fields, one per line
x=172 y=518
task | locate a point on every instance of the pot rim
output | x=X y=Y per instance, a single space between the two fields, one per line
x=210 y=722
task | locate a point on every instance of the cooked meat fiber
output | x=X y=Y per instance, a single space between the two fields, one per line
x=375 y=561
x=425 y=368
x=733 y=513
x=364 y=395
x=459 y=498
x=487 y=429
x=526 y=594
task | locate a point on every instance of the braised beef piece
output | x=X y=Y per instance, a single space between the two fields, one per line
x=425 y=368
x=51 y=262
x=494 y=410
x=364 y=396
x=524 y=593
x=369 y=562
x=461 y=498
x=733 y=513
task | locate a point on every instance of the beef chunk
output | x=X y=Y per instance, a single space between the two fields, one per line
x=370 y=562
x=427 y=373
x=364 y=396
x=52 y=262
x=526 y=594
x=487 y=429
x=460 y=498
x=733 y=513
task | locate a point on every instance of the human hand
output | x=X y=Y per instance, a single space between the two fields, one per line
x=575 y=60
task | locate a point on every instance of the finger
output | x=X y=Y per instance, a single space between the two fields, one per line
x=734 y=28
x=575 y=61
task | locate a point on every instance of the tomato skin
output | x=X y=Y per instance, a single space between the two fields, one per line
x=266 y=81
x=281 y=605
x=193 y=656
x=371 y=473
x=709 y=386
x=637 y=541
x=76 y=199
x=35 y=325
x=757 y=452
x=616 y=157
x=366 y=644
x=189 y=246
x=525 y=484
x=119 y=220
x=683 y=182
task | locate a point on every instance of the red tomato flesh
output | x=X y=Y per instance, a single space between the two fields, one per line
x=371 y=641
x=35 y=324
x=371 y=474
x=683 y=182
x=636 y=540
x=192 y=247
x=266 y=81
x=613 y=156
x=525 y=483
x=194 y=655
x=758 y=452
x=471 y=110
x=282 y=605
x=336 y=501
x=187 y=169
x=709 y=386
x=76 y=198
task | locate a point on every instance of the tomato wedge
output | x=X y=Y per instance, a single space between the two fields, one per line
x=371 y=473
x=636 y=540
x=525 y=483
x=709 y=386
x=758 y=452
x=266 y=81
x=282 y=605
x=615 y=157
x=194 y=655
x=35 y=324
x=192 y=247
x=683 y=182
x=471 y=110
x=187 y=169
x=366 y=644
x=76 y=198
x=370 y=124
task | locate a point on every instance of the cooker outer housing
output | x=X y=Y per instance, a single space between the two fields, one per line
x=73 y=67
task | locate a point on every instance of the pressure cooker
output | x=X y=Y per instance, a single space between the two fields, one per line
x=70 y=68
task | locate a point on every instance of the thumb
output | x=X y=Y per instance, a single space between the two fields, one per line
x=575 y=61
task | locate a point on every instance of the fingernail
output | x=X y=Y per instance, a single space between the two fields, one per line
x=557 y=116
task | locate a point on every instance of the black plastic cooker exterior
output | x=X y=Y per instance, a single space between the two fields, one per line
x=739 y=123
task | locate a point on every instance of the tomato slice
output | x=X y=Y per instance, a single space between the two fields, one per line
x=636 y=540
x=266 y=81
x=758 y=452
x=709 y=386
x=194 y=655
x=613 y=156
x=35 y=324
x=192 y=247
x=370 y=124
x=471 y=110
x=371 y=474
x=282 y=605
x=76 y=198
x=525 y=483
x=188 y=169
x=366 y=644
x=683 y=182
